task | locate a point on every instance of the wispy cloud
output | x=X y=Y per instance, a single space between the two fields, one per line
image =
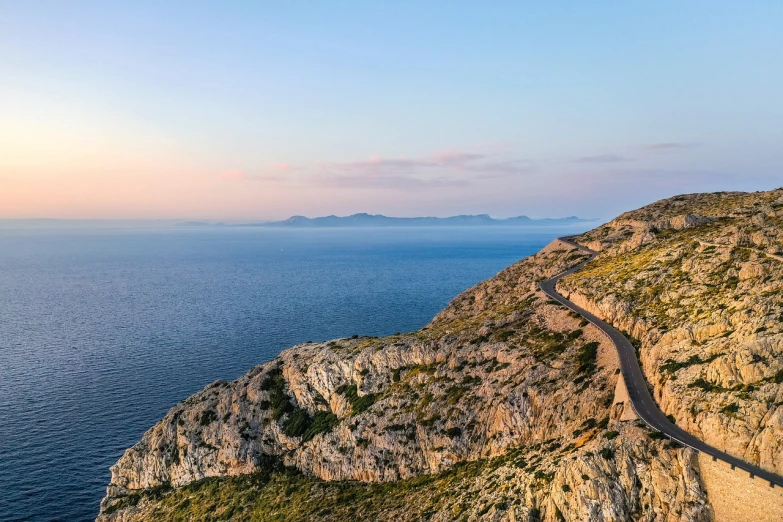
x=456 y=159
x=241 y=175
x=674 y=179
x=442 y=169
x=603 y=158
x=397 y=182
x=671 y=145
x=284 y=167
x=449 y=168
x=502 y=168
x=275 y=172
x=231 y=175
x=375 y=165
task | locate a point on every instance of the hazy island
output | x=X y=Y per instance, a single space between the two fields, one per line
x=378 y=220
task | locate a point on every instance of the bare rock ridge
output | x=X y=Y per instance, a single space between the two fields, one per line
x=507 y=406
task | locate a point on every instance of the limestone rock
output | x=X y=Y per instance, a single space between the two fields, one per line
x=506 y=377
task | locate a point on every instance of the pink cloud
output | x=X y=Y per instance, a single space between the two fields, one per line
x=284 y=167
x=386 y=182
x=231 y=175
x=376 y=164
x=450 y=160
x=443 y=169
x=240 y=175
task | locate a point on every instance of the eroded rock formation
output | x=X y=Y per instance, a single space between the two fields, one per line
x=509 y=400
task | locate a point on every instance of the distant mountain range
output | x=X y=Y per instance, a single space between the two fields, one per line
x=378 y=220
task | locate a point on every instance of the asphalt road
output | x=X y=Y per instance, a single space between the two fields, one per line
x=638 y=391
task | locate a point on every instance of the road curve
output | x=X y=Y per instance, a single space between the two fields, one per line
x=641 y=400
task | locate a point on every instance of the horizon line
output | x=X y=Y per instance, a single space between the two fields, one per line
x=272 y=220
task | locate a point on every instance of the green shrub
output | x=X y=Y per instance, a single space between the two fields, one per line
x=279 y=401
x=207 y=417
x=586 y=358
x=297 y=423
x=504 y=335
x=475 y=379
x=542 y=475
x=731 y=408
x=454 y=432
x=322 y=422
x=704 y=385
x=358 y=403
x=671 y=366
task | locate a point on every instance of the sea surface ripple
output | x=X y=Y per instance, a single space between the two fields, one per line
x=102 y=330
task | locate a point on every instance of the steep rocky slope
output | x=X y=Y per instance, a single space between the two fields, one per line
x=505 y=406
x=703 y=293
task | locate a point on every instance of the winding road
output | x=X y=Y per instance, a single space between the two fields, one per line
x=641 y=400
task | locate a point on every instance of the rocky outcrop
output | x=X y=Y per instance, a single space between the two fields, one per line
x=705 y=307
x=627 y=478
x=510 y=383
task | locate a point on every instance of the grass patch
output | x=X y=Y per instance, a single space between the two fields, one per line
x=277 y=493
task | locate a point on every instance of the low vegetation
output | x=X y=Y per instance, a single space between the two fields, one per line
x=298 y=422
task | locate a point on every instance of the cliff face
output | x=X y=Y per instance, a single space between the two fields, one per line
x=703 y=293
x=504 y=407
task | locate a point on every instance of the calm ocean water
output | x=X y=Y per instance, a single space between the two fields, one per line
x=103 y=330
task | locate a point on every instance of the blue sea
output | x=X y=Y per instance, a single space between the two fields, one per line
x=103 y=329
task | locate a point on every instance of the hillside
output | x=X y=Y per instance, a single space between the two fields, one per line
x=507 y=406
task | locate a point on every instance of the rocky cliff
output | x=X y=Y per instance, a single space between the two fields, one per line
x=702 y=291
x=507 y=406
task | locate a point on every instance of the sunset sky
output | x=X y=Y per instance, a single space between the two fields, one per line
x=260 y=110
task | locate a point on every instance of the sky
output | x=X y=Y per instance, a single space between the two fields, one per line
x=262 y=110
